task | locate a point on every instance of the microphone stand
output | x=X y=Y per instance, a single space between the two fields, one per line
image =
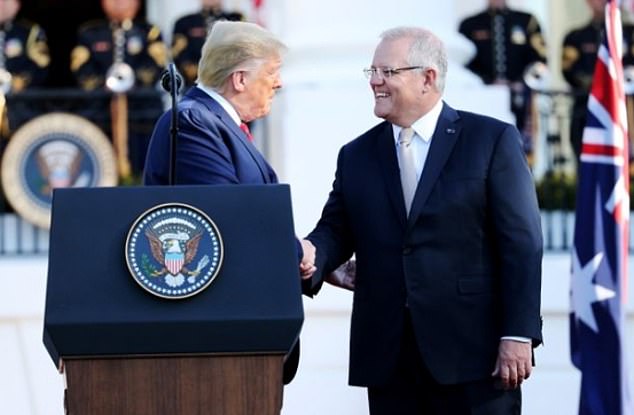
x=171 y=82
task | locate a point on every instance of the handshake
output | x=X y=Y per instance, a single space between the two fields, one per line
x=343 y=277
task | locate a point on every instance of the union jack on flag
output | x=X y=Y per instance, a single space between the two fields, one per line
x=600 y=249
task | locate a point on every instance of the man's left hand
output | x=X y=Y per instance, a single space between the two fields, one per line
x=514 y=363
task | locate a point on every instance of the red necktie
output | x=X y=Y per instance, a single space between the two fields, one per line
x=245 y=128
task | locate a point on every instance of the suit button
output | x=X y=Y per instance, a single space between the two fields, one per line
x=407 y=250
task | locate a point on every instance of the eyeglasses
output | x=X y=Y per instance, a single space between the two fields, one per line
x=386 y=73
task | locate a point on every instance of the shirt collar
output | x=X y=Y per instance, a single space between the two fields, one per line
x=226 y=105
x=424 y=126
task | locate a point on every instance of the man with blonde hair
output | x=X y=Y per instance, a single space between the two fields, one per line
x=238 y=76
x=190 y=32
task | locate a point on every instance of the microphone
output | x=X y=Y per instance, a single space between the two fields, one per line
x=171 y=76
x=171 y=81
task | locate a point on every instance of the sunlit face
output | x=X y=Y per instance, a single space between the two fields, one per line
x=597 y=7
x=497 y=4
x=120 y=10
x=261 y=85
x=211 y=4
x=397 y=99
x=8 y=10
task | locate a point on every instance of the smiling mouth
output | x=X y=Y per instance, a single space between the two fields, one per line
x=378 y=95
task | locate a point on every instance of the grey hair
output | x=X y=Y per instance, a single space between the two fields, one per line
x=426 y=50
x=233 y=46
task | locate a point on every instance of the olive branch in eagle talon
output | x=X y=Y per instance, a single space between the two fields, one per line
x=172 y=246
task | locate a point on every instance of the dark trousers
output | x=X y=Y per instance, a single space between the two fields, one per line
x=413 y=391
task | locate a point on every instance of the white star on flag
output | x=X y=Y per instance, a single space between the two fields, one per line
x=586 y=292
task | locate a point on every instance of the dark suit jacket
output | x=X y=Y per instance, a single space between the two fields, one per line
x=211 y=149
x=467 y=261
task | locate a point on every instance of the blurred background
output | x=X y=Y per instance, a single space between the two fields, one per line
x=325 y=102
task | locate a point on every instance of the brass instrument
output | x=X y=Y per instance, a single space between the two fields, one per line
x=120 y=79
x=537 y=76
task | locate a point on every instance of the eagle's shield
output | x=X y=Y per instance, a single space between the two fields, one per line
x=174 y=262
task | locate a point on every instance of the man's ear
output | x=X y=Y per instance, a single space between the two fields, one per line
x=429 y=79
x=238 y=80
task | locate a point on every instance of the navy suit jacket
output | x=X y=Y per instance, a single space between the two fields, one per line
x=466 y=262
x=211 y=148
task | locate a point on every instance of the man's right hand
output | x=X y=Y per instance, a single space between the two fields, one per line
x=307 y=266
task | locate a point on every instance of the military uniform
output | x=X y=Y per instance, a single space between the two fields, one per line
x=189 y=35
x=24 y=54
x=138 y=44
x=507 y=42
x=141 y=46
x=579 y=55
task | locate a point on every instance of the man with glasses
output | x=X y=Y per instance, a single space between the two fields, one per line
x=439 y=208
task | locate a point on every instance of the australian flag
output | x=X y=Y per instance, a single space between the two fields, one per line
x=600 y=251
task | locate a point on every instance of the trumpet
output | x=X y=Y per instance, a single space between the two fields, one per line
x=120 y=78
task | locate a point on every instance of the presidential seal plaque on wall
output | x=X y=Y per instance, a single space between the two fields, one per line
x=174 y=251
x=51 y=151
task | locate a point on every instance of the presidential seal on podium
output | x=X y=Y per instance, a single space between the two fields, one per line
x=174 y=251
x=52 y=151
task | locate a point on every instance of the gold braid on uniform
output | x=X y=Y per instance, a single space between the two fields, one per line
x=19 y=82
x=180 y=43
x=536 y=39
x=78 y=57
x=570 y=55
x=91 y=82
x=146 y=76
x=36 y=50
x=156 y=49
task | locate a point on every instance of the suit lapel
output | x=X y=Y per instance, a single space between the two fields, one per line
x=442 y=143
x=386 y=154
x=226 y=119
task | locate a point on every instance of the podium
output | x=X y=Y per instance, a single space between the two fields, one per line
x=126 y=350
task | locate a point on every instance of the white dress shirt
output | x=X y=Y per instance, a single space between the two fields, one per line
x=226 y=105
x=424 y=129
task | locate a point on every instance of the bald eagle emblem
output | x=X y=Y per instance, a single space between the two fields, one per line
x=174 y=251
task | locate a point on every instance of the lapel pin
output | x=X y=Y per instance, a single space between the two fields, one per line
x=450 y=131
